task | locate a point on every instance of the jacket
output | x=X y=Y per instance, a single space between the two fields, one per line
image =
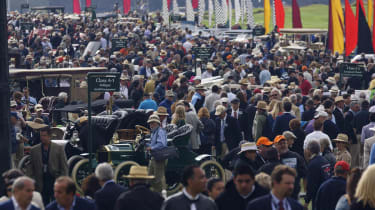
x=160 y=89
x=232 y=135
x=330 y=192
x=230 y=199
x=180 y=201
x=345 y=156
x=8 y=205
x=139 y=196
x=207 y=135
x=282 y=123
x=339 y=117
x=260 y=121
x=250 y=112
x=349 y=117
x=264 y=203
x=105 y=198
x=57 y=163
x=367 y=150
x=192 y=119
x=80 y=204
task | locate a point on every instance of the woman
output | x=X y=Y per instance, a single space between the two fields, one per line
x=89 y=186
x=351 y=184
x=277 y=109
x=364 y=193
x=342 y=152
x=136 y=92
x=295 y=127
x=207 y=135
x=178 y=117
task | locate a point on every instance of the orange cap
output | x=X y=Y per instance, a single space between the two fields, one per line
x=278 y=138
x=304 y=68
x=264 y=141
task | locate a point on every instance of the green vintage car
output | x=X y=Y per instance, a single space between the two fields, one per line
x=132 y=152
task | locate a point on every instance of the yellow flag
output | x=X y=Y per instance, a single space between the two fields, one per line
x=267 y=15
x=337 y=26
x=370 y=12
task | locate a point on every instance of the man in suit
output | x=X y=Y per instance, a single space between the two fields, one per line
x=338 y=113
x=65 y=194
x=227 y=133
x=237 y=113
x=282 y=122
x=22 y=194
x=134 y=198
x=48 y=161
x=282 y=188
x=105 y=198
x=354 y=147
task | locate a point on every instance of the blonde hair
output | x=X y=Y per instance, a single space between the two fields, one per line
x=277 y=108
x=203 y=112
x=365 y=187
x=272 y=104
x=179 y=114
x=190 y=95
x=264 y=180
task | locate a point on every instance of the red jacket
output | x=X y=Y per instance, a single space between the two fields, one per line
x=305 y=87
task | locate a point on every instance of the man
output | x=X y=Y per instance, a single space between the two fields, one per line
x=291 y=159
x=331 y=190
x=366 y=132
x=282 y=122
x=158 y=141
x=22 y=195
x=192 y=119
x=338 y=112
x=317 y=135
x=361 y=119
x=264 y=75
x=240 y=190
x=318 y=170
x=105 y=198
x=283 y=179
x=290 y=138
x=227 y=133
x=273 y=160
x=39 y=113
x=198 y=97
x=209 y=71
x=162 y=113
x=124 y=91
x=309 y=111
x=27 y=99
x=211 y=98
x=304 y=84
x=148 y=103
x=260 y=125
x=48 y=162
x=354 y=146
x=248 y=156
x=238 y=113
x=168 y=101
x=160 y=89
x=369 y=142
x=147 y=70
x=65 y=195
x=139 y=196
x=243 y=88
x=191 y=197
x=264 y=144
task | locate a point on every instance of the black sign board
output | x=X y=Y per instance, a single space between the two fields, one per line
x=259 y=31
x=175 y=18
x=351 y=69
x=103 y=82
x=27 y=27
x=204 y=53
x=118 y=44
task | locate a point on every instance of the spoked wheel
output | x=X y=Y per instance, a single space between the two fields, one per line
x=213 y=169
x=72 y=161
x=173 y=183
x=81 y=170
x=25 y=164
x=123 y=169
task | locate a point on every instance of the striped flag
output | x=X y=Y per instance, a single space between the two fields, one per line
x=165 y=12
x=243 y=10
x=219 y=16
x=273 y=13
x=210 y=12
x=175 y=7
x=201 y=9
x=224 y=5
x=250 y=16
x=189 y=11
x=230 y=12
x=237 y=11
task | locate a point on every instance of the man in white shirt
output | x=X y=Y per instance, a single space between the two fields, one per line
x=317 y=135
x=188 y=45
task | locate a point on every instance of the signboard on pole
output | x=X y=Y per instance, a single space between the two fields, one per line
x=118 y=44
x=203 y=53
x=27 y=27
x=351 y=69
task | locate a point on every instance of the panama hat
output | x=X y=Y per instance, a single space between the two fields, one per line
x=210 y=66
x=37 y=123
x=154 y=118
x=169 y=93
x=244 y=82
x=331 y=80
x=248 y=146
x=200 y=87
x=161 y=111
x=262 y=105
x=341 y=137
x=339 y=98
x=138 y=172
x=220 y=109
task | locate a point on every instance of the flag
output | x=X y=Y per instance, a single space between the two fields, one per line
x=297 y=23
x=237 y=11
x=219 y=15
x=201 y=9
x=370 y=12
x=243 y=10
x=165 y=12
x=330 y=31
x=210 y=12
x=175 y=7
x=364 y=33
x=224 y=5
x=250 y=16
x=267 y=15
x=337 y=24
x=169 y=4
x=279 y=13
x=195 y=4
x=127 y=6
x=76 y=7
x=189 y=11
x=350 y=29
x=230 y=13
x=373 y=34
x=88 y=3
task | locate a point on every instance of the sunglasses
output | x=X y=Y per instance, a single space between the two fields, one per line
x=274 y=95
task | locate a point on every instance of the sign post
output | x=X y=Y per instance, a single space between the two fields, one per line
x=118 y=44
x=99 y=82
x=203 y=53
x=352 y=70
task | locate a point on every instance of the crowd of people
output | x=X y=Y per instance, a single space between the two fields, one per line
x=288 y=128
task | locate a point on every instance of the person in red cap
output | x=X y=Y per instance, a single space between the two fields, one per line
x=331 y=190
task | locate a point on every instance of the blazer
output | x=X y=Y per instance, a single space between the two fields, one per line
x=57 y=163
x=232 y=133
x=8 y=205
x=80 y=204
x=105 y=198
x=282 y=123
x=264 y=203
x=139 y=197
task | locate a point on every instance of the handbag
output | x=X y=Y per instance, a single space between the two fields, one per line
x=164 y=153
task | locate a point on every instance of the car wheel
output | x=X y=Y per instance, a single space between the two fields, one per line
x=25 y=164
x=72 y=161
x=213 y=169
x=123 y=169
x=81 y=170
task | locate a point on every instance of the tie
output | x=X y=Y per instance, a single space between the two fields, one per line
x=235 y=114
x=281 y=205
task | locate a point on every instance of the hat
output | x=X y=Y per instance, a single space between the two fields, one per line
x=169 y=93
x=278 y=138
x=200 y=87
x=339 y=98
x=37 y=123
x=267 y=89
x=197 y=78
x=341 y=137
x=289 y=135
x=248 y=146
x=140 y=53
x=331 y=80
x=210 y=66
x=320 y=114
x=138 y=172
x=235 y=101
x=334 y=89
x=342 y=165
x=154 y=118
x=39 y=107
x=13 y=103
x=220 y=109
x=264 y=141
x=244 y=82
x=125 y=62
x=161 y=111
x=250 y=75
x=262 y=105
x=372 y=109
x=124 y=77
x=163 y=53
x=224 y=100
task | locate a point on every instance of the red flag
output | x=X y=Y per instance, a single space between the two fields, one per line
x=297 y=23
x=280 y=14
x=76 y=7
x=127 y=6
x=330 y=31
x=195 y=4
x=169 y=4
x=351 y=29
x=364 y=32
x=88 y=3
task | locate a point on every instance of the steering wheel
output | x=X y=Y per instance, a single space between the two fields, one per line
x=142 y=129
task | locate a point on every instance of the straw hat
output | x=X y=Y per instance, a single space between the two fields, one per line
x=200 y=87
x=262 y=105
x=334 y=89
x=161 y=111
x=267 y=89
x=37 y=123
x=244 y=82
x=331 y=80
x=220 y=109
x=248 y=146
x=342 y=138
x=339 y=98
x=210 y=66
x=169 y=93
x=138 y=172
x=124 y=77
x=154 y=118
